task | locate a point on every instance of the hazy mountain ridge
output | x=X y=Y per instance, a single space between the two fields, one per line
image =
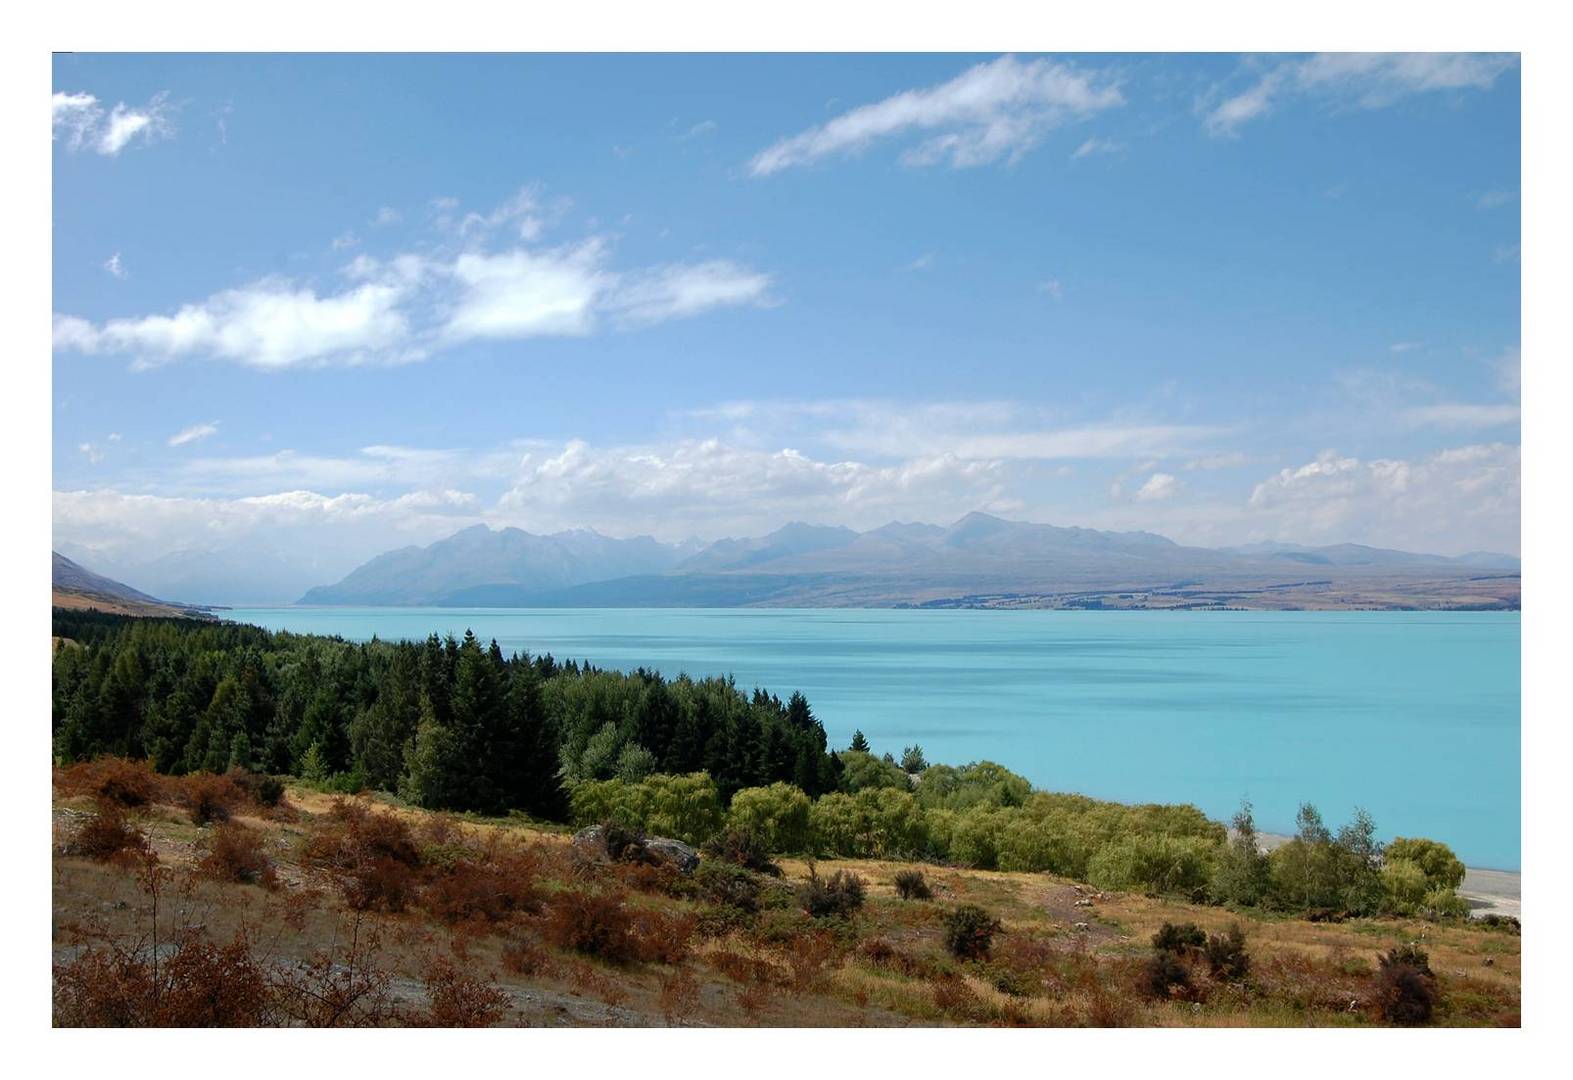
x=74 y=585
x=980 y=560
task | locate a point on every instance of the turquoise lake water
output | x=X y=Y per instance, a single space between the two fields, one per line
x=1412 y=715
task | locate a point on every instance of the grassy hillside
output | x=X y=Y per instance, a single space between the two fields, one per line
x=320 y=910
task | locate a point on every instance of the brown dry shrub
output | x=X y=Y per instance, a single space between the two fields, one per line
x=113 y=779
x=957 y=1000
x=370 y=856
x=456 y=1000
x=586 y=980
x=1406 y=988
x=234 y=853
x=342 y=985
x=808 y=958
x=489 y=886
x=754 y=998
x=601 y=923
x=106 y=835
x=525 y=956
x=199 y=985
x=742 y=968
x=679 y=994
x=209 y=798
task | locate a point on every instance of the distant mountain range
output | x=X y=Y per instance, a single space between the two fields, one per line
x=979 y=561
x=75 y=586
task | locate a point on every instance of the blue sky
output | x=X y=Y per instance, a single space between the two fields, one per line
x=310 y=308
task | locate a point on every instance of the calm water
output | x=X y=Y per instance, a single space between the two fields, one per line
x=1414 y=716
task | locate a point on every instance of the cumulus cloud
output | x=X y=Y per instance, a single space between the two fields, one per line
x=713 y=487
x=270 y=324
x=194 y=433
x=1158 y=486
x=412 y=305
x=1462 y=498
x=1354 y=80
x=998 y=109
x=114 y=267
x=79 y=120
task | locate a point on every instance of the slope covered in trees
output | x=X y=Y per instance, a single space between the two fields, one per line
x=446 y=723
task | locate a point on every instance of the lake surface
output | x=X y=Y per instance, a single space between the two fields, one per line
x=1413 y=715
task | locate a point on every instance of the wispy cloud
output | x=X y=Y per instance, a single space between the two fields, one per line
x=1490 y=200
x=1095 y=146
x=114 y=267
x=1352 y=80
x=194 y=433
x=80 y=121
x=998 y=109
x=1460 y=416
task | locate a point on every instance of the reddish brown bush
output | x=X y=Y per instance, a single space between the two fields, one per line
x=523 y=956
x=341 y=986
x=489 y=885
x=954 y=998
x=107 y=835
x=602 y=924
x=371 y=857
x=210 y=798
x=457 y=1000
x=199 y=985
x=234 y=853
x=679 y=995
x=113 y=779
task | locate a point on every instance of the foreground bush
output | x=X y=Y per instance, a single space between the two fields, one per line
x=198 y=985
x=912 y=885
x=106 y=834
x=370 y=856
x=1406 y=988
x=1226 y=956
x=1179 y=938
x=125 y=783
x=969 y=932
x=234 y=853
x=742 y=847
x=842 y=893
x=601 y=923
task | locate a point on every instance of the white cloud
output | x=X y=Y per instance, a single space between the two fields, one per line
x=1403 y=346
x=1356 y=80
x=194 y=433
x=385 y=216
x=1465 y=498
x=408 y=306
x=114 y=267
x=1460 y=416
x=271 y=324
x=998 y=109
x=80 y=118
x=704 y=127
x=924 y=261
x=93 y=454
x=1490 y=200
x=526 y=294
x=1052 y=288
x=712 y=487
x=1158 y=486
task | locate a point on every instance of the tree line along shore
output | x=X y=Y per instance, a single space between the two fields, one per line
x=456 y=725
